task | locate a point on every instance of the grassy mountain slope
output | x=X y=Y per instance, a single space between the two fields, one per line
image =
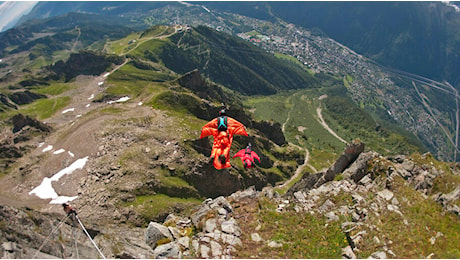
x=392 y=33
x=370 y=87
x=171 y=113
x=220 y=57
x=145 y=160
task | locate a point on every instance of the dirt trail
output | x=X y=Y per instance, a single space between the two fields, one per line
x=299 y=169
x=323 y=123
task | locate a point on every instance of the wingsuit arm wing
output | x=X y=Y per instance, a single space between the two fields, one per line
x=255 y=155
x=235 y=127
x=240 y=153
x=209 y=128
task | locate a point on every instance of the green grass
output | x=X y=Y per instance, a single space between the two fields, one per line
x=426 y=219
x=149 y=46
x=347 y=81
x=289 y=58
x=303 y=127
x=302 y=235
x=154 y=205
x=45 y=108
x=322 y=159
x=129 y=80
x=123 y=45
x=131 y=42
x=289 y=184
x=273 y=108
x=54 y=89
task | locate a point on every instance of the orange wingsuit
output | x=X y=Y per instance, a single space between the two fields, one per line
x=222 y=139
x=247 y=156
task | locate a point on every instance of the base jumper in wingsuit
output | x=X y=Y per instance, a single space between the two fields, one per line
x=247 y=156
x=223 y=128
x=70 y=211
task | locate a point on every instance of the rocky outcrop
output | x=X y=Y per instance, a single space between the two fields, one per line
x=24 y=97
x=83 y=63
x=20 y=121
x=194 y=81
x=24 y=230
x=448 y=200
x=217 y=233
x=28 y=234
x=275 y=133
x=6 y=103
x=351 y=153
x=212 y=183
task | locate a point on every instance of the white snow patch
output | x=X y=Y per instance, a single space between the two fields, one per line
x=185 y=3
x=48 y=148
x=91 y=97
x=88 y=105
x=106 y=74
x=40 y=144
x=100 y=83
x=78 y=116
x=46 y=191
x=70 y=153
x=59 y=151
x=206 y=9
x=123 y=99
x=62 y=199
x=140 y=103
x=68 y=110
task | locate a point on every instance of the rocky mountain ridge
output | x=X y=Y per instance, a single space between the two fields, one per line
x=145 y=176
x=217 y=227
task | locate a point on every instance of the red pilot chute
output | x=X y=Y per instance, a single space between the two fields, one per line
x=223 y=128
x=247 y=156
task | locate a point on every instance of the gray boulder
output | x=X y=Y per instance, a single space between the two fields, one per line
x=156 y=232
x=167 y=251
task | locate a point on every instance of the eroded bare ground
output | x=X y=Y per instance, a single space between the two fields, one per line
x=73 y=138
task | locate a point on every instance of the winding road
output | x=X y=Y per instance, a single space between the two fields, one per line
x=307 y=153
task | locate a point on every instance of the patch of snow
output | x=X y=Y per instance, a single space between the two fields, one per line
x=40 y=144
x=62 y=199
x=100 y=83
x=88 y=105
x=48 y=148
x=106 y=74
x=91 y=97
x=70 y=153
x=185 y=3
x=59 y=151
x=140 y=103
x=68 y=110
x=123 y=99
x=206 y=9
x=78 y=116
x=46 y=191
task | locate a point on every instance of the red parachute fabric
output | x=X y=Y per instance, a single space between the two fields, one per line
x=222 y=140
x=247 y=157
